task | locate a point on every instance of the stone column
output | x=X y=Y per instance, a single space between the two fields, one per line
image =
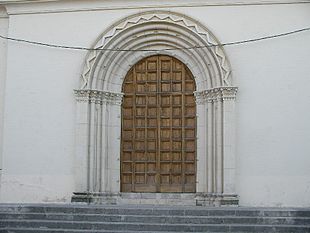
x=202 y=178
x=112 y=131
x=94 y=145
x=218 y=145
x=209 y=129
x=103 y=162
x=82 y=142
x=229 y=145
x=93 y=140
x=219 y=161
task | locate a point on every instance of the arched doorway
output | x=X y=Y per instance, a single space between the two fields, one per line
x=158 y=138
x=99 y=145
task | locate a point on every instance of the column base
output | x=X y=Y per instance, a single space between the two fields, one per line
x=189 y=199
x=96 y=198
x=217 y=200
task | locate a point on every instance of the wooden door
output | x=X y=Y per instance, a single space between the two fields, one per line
x=158 y=139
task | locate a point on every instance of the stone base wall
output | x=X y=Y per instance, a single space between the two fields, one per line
x=182 y=199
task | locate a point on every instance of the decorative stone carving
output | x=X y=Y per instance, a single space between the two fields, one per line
x=98 y=97
x=201 y=97
x=81 y=95
x=99 y=122
x=216 y=94
x=219 y=125
x=112 y=98
x=154 y=32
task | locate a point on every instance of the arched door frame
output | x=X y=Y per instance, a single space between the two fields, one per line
x=99 y=98
x=158 y=141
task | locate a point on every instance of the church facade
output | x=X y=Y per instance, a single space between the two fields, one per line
x=181 y=102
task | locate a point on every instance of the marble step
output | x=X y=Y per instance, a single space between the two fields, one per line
x=154 y=210
x=71 y=218
x=171 y=219
x=149 y=227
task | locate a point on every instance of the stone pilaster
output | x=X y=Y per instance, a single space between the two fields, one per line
x=94 y=129
x=201 y=102
x=219 y=155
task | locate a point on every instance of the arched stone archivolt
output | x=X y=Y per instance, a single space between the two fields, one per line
x=99 y=100
x=156 y=30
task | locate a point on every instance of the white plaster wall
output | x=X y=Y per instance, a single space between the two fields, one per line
x=272 y=104
x=38 y=146
x=4 y=23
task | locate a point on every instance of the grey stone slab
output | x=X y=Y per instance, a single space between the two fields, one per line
x=150 y=218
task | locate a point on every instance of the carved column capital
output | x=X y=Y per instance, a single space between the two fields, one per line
x=229 y=93
x=200 y=97
x=95 y=97
x=81 y=95
x=112 y=98
x=98 y=97
x=216 y=94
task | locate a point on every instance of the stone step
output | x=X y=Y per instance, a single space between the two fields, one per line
x=180 y=199
x=153 y=210
x=121 y=227
x=151 y=226
x=158 y=219
x=36 y=230
x=70 y=218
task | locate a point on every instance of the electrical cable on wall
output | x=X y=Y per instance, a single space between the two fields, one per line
x=154 y=50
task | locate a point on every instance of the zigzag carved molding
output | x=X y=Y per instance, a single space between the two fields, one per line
x=159 y=16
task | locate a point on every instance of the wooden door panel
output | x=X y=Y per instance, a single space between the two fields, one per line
x=158 y=127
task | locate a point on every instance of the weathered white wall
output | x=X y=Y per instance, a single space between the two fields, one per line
x=272 y=104
x=4 y=23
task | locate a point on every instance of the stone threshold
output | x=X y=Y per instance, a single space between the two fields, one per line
x=165 y=199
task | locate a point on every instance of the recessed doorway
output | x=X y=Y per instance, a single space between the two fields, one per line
x=158 y=136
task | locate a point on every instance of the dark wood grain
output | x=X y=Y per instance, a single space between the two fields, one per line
x=158 y=139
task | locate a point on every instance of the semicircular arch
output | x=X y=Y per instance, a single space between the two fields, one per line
x=150 y=33
x=99 y=100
